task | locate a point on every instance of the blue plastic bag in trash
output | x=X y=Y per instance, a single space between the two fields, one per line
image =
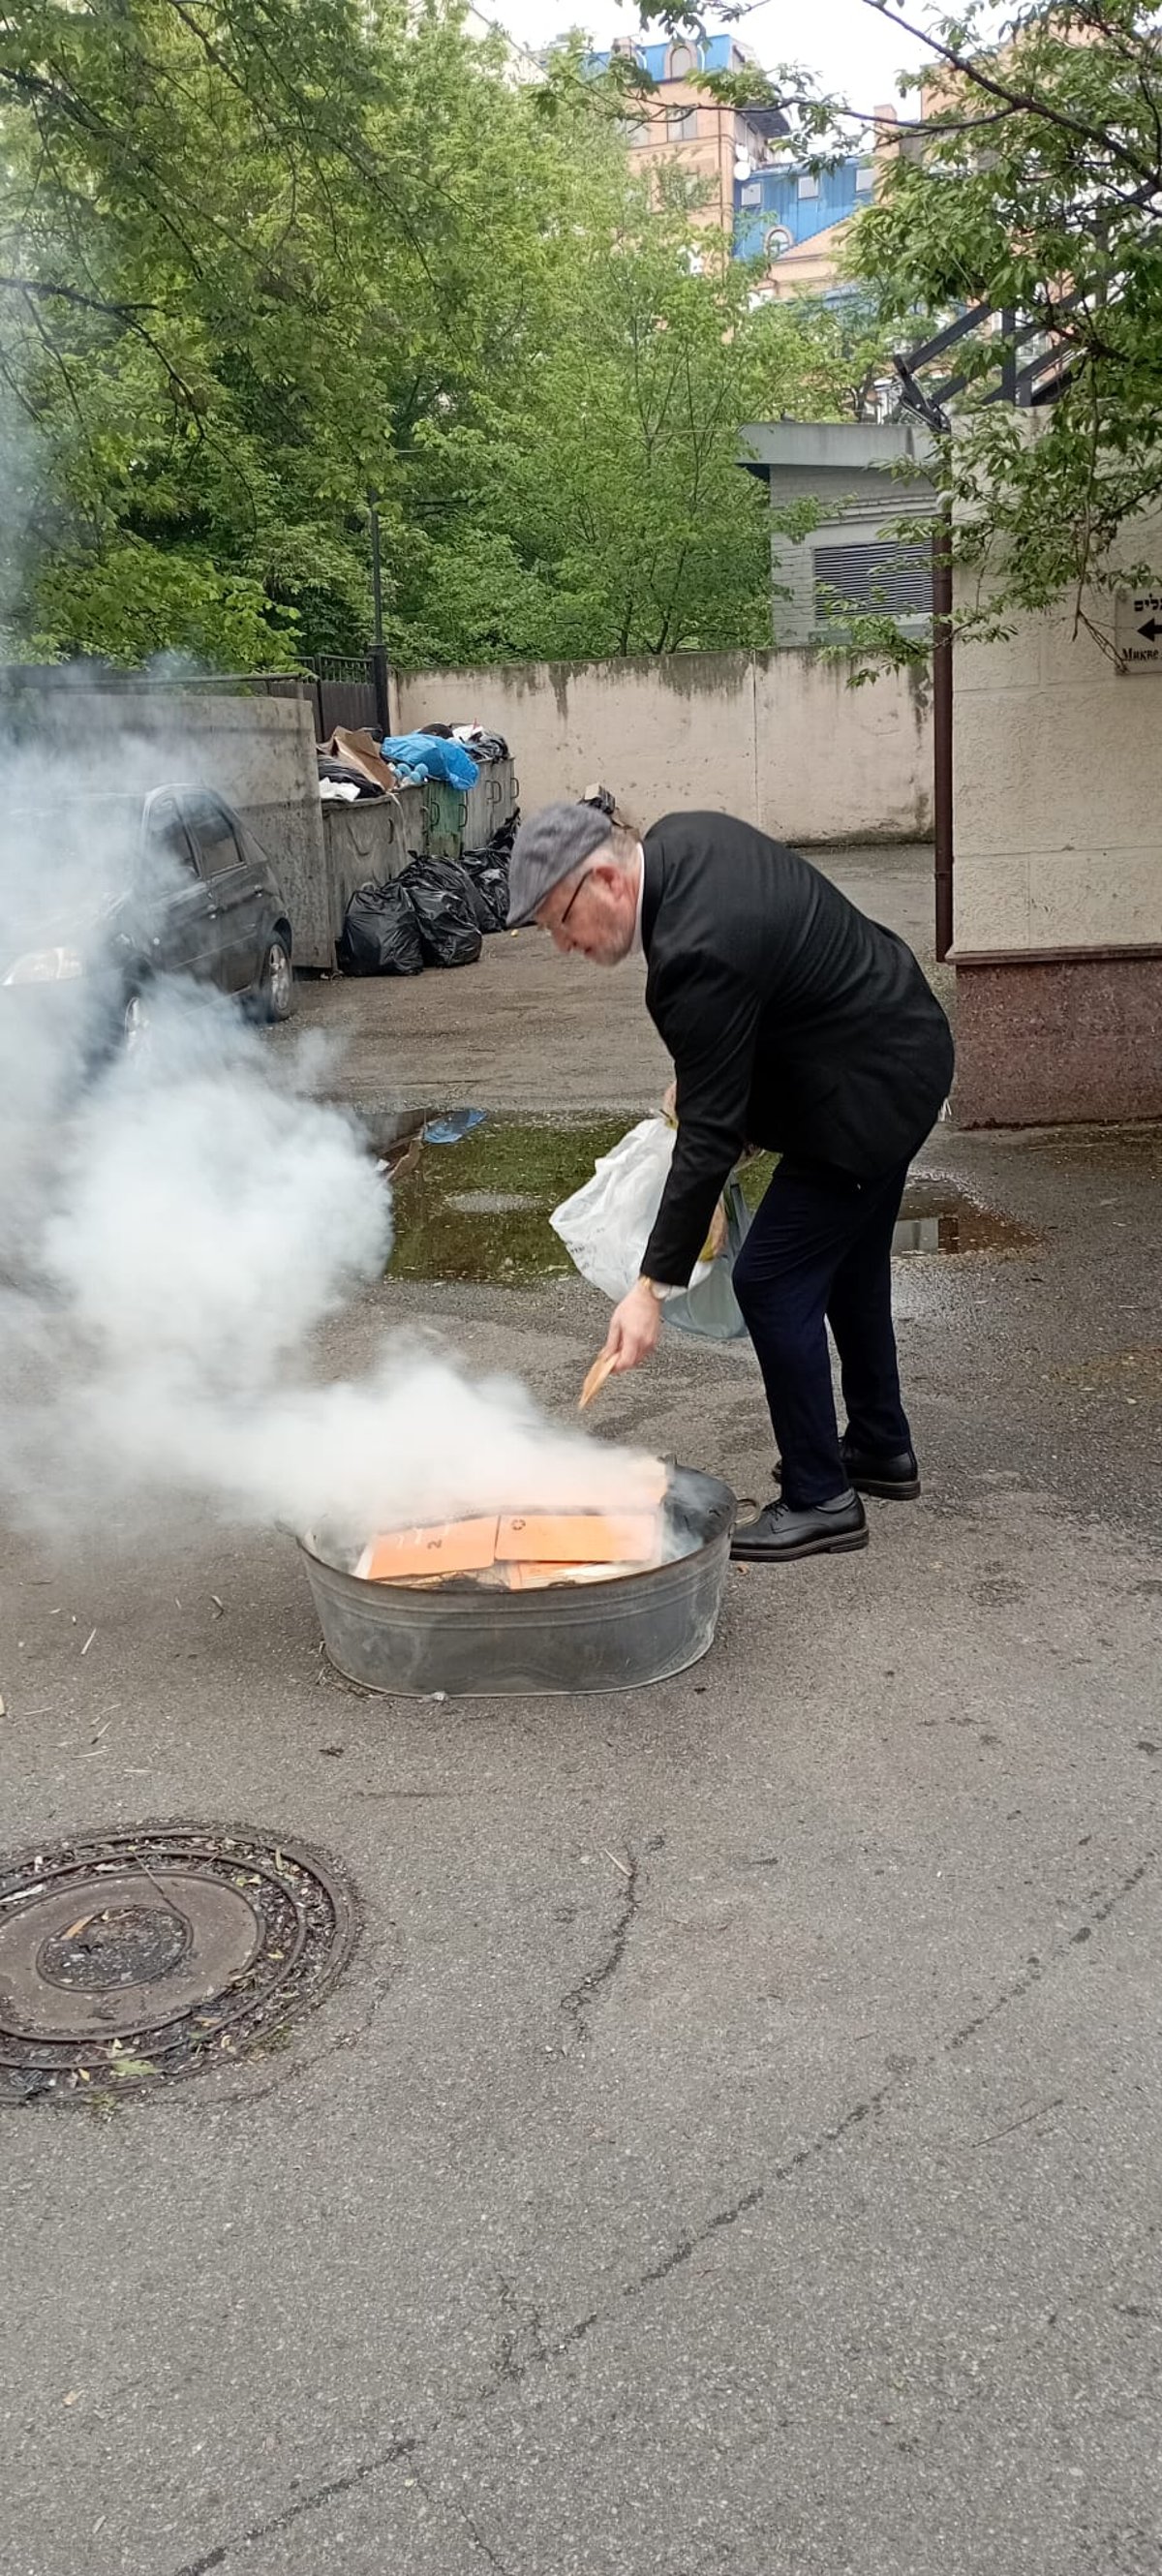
x=427 y=755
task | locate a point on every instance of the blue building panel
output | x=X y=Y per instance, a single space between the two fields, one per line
x=773 y=202
x=711 y=54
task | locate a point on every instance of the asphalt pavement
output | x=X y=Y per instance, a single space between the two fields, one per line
x=735 y=2142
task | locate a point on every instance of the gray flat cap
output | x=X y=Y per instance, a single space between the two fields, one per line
x=547 y=848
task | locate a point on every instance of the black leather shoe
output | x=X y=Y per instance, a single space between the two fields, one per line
x=780 y=1533
x=894 y=1480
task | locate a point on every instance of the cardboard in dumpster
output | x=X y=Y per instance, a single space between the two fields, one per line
x=361 y=751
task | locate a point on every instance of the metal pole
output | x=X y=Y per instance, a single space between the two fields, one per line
x=379 y=684
x=376 y=567
x=379 y=649
x=942 y=723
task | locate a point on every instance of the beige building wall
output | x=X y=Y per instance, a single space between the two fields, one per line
x=1058 y=787
x=659 y=140
x=778 y=738
x=811 y=267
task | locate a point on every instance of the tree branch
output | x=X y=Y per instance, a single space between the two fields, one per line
x=1027 y=102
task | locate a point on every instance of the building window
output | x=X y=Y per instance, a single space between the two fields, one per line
x=681 y=63
x=681 y=124
x=808 y=184
x=752 y=194
x=638 y=134
x=777 y=241
x=887 y=577
x=865 y=178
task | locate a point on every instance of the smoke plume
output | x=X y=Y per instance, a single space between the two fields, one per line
x=177 y=1221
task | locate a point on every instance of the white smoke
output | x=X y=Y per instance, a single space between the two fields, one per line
x=178 y=1221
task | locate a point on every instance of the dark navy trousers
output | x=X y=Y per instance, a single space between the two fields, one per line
x=818 y=1253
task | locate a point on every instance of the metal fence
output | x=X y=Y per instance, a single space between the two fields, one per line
x=342 y=689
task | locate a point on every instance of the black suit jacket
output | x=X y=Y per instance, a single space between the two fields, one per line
x=792 y=1020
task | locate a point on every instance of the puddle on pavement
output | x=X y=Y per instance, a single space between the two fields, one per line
x=938 y=1218
x=478 y=1211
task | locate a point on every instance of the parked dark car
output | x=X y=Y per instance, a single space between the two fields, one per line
x=117 y=890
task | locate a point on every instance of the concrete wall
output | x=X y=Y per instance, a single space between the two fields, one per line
x=1058 y=789
x=778 y=738
x=1057 y=834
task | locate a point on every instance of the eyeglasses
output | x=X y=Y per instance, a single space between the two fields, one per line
x=560 y=924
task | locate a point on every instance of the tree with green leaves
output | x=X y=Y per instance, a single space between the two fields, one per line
x=256 y=263
x=251 y=254
x=608 y=512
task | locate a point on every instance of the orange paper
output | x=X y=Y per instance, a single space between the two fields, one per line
x=579 y=1538
x=538 y=1578
x=446 y=1547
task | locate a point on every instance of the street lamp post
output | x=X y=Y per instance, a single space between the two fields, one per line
x=379 y=648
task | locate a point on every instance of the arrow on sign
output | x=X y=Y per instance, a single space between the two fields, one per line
x=1151 y=630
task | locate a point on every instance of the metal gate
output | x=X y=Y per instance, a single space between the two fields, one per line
x=350 y=689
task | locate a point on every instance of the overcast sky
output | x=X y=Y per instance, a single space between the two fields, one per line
x=850 y=45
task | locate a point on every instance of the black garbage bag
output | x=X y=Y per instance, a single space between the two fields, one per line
x=504 y=836
x=488 y=878
x=453 y=874
x=441 y=898
x=492 y=884
x=380 y=934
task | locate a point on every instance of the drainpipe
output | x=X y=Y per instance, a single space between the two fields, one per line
x=942 y=723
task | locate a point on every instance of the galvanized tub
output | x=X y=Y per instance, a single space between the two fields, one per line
x=467 y=1642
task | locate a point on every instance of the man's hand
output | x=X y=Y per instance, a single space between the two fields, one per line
x=634 y=1327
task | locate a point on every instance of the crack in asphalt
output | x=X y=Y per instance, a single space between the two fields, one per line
x=472 y=2528
x=525 y=2327
x=1034 y=1969
x=575 y=2003
x=291 y=2513
x=513 y=2367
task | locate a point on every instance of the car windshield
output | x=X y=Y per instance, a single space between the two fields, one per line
x=70 y=858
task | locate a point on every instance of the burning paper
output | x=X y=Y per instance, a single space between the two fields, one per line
x=524 y=1551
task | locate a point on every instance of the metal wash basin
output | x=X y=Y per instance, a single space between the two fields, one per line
x=468 y=1642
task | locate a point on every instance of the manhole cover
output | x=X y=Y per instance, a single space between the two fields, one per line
x=133 y=1957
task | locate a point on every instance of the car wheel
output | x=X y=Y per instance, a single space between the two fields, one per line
x=276 y=982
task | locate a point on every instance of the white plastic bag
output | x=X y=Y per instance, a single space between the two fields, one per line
x=606 y=1226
